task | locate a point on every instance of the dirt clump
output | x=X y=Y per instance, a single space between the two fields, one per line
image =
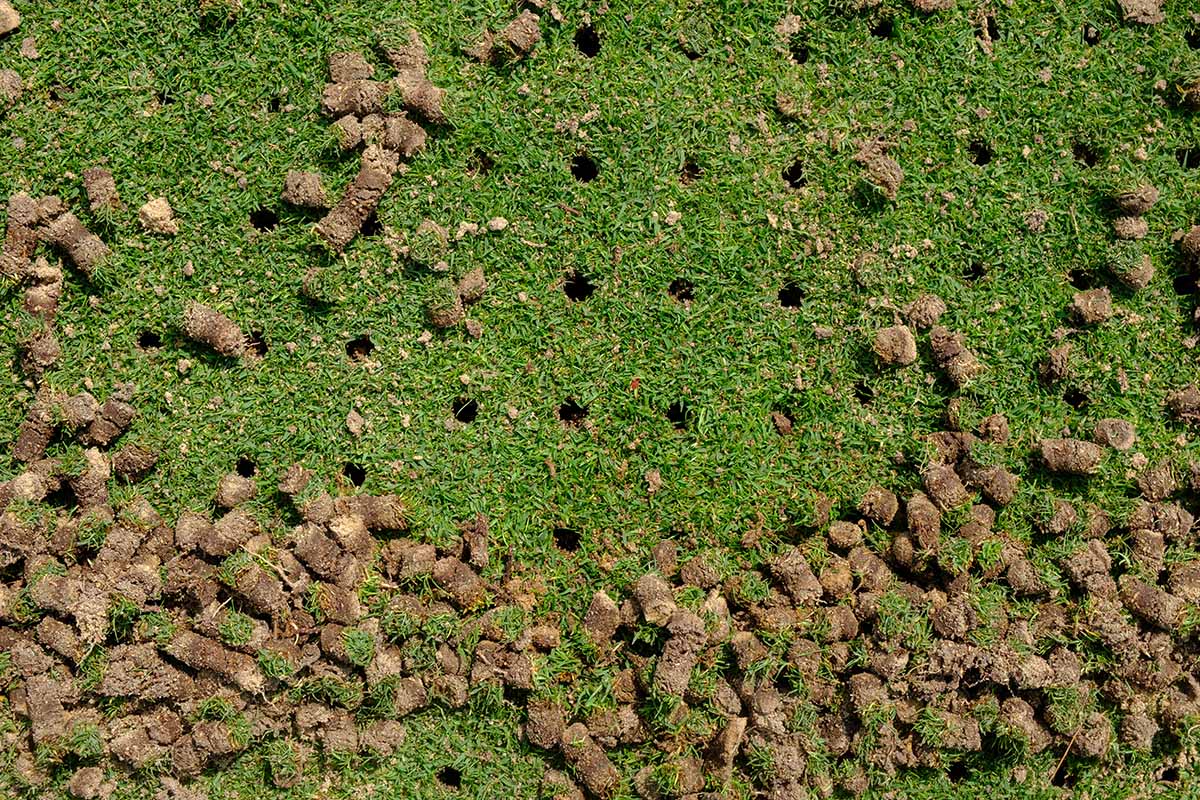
x=589 y=761
x=1136 y=201
x=304 y=190
x=345 y=220
x=951 y=354
x=878 y=505
x=512 y=43
x=233 y=490
x=895 y=346
x=1071 y=456
x=1056 y=365
x=1131 y=228
x=925 y=311
x=101 y=190
x=62 y=228
x=345 y=67
x=1143 y=12
x=11 y=87
x=1130 y=265
x=1184 y=404
x=212 y=328
x=1092 y=307
x=10 y=20
x=157 y=217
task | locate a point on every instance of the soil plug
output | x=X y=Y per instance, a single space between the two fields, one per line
x=207 y=326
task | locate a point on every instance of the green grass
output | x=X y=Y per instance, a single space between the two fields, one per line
x=122 y=88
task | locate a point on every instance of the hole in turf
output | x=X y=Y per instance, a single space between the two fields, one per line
x=584 y=168
x=571 y=413
x=465 y=409
x=355 y=473
x=957 y=772
x=793 y=174
x=1082 y=279
x=1085 y=154
x=1185 y=284
x=371 y=225
x=164 y=99
x=798 y=47
x=884 y=28
x=690 y=172
x=264 y=219
x=480 y=163
x=149 y=340
x=863 y=393
x=360 y=347
x=450 y=776
x=246 y=467
x=578 y=287
x=1188 y=157
x=974 y=271
x=681 y=290
x=1062 y=777
x=1170 y=775
x=1075 y=398
x=1192 y=38
x=273 y=105
x=566 y=539
x=587 y=41
x=679 y=415
x=981 y=152
x=1091 y=36
x=993 y=27
x=791 y=295
x=256 y=344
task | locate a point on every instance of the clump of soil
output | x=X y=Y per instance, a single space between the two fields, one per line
x=157 y=217
x=1130 y=265
x=304 y=190
x=101 y=190
x=360 y=199
x=513 y=43
x=895 y=346
x=1143 y=12
x=925 y=311
x=445 y=306
x=11 y=87
x=883 y=173
x=10 y=20
x=951 y=353
x=1136 y=201
x=1071 y=456
x=62 y=228
x=1131 y=228
x=1118 y=434
x=932 y=6
x=1092 y=307
x=210 y=327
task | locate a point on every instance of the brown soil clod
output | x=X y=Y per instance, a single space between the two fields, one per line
x=925 y=311
x=1071 y=456
x=361 y=198
x=63 y=229
x=1184 y=404
x=1092 y=307
x=210 y=327
x=357 y=97
x=1143 y=12
x=157 y=217
x=471 y=287
x=101 y=190
x=345 y=67
x=895 y=346
x=591 y=763
x=1131 y=228
x=11 y=87
x=951 y=353
x=304 y=190
x=10 y=20
x=1130 y=265
x=513 y=43
x=1136 y=201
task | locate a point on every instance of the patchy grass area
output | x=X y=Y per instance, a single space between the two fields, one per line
x=694 y=242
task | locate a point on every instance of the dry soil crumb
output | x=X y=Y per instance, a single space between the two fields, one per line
x=10 y=20
x=1071 y=456
x=925 y=311
x=885 y=174
x=1131 y=227
x=932 y=6
x=1137 y=202
x=101 y=189
x=1144 y=12
x=211 y=327
x=157 y=216
x=895 y=346
x=522 y=34
x=1118 y=434
x=11 y=86
x=346 y=67
x=304 y=189
x=1092 y=307
x=952 y=355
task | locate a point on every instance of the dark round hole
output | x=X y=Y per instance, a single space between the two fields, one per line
x=681 y=289
x=981 y=152
x=690 y=172
x=164 y=99
x=1082 y=279
x=584 y=168
x=587 y=41
x=1170 y=774
x=273 y=105
x=465 y=409
x=1085 y=154
x=793 y=174
x=884 y=28
x=791 y=295
x=355 y=473
x=863 y=393
x=974 y=271
x=1185 y=284
x=149 y=340
x=1192 y=38
x=798 y=47
x=1075 y=398
x=1188 y=157
x=246 y=467
x=450 y=776
x=679 y=414
x=360 y=347
x=481 y=163
x=264 y=219
x=993 y=28
x=957 y=772
x=1091 y=35
x=566 y=539
x=371 y=225
x=256 y=344
x=571 y=412
x=578 y=286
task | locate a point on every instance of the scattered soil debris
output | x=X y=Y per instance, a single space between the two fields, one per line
x=157 y=216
